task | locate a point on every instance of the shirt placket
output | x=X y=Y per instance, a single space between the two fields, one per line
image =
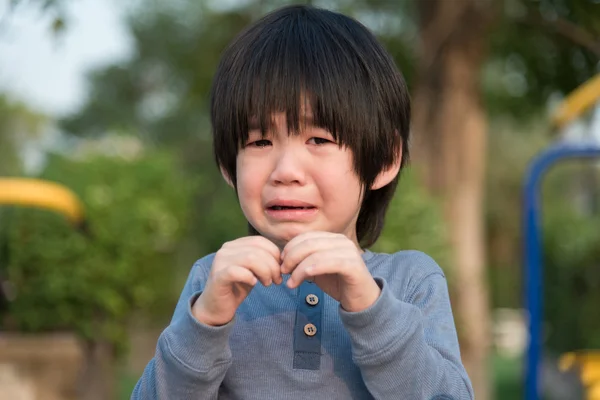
x=308 y=327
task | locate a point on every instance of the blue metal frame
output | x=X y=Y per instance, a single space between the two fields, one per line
x=533 y=251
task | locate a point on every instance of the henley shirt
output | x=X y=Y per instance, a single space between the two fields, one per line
x=300 y=344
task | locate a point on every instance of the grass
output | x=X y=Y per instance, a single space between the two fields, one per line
x=508 y=376
x=126 y=381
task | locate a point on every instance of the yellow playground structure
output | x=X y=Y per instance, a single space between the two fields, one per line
x=42 y=194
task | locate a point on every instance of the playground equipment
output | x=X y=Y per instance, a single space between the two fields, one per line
x=41 y=194
x=588 y=362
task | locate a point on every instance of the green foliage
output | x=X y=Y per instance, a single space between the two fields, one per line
x=571 y=247
x=137 y=211
x=217 y=218
x=539 y=48
x=572 y=257
x=414 y=222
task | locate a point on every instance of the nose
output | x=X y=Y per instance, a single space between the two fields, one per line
x=288 y=168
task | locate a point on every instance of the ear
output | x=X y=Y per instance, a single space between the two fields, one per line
x=389 y=173
x=226 y=177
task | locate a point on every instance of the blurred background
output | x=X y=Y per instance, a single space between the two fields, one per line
x=109 y=192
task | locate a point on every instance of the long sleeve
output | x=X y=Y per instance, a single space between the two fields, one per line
x=191 y=358
x=408 y=349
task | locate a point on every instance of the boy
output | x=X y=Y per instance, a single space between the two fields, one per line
x=311 y=122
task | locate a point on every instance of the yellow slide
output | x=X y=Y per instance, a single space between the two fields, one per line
x=578 y=102
x=42 y=194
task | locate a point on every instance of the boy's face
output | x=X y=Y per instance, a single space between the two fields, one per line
x=291 y=184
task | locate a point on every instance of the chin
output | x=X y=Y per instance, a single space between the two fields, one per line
x=281 y=235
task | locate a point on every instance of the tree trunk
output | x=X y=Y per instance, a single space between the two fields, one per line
x=450 y=142
x=98 y=380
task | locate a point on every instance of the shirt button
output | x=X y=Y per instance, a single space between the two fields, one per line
x=312 y=299
x=310 y=330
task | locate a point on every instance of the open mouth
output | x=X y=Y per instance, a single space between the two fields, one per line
x=279 y=208
x=291 y=210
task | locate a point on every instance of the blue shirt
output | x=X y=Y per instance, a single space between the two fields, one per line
x=300 y=344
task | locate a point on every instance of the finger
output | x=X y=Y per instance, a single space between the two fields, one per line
x=273 y=265
x=240 y=251
x=303 y=237
x=261 y=263
x=261 y=242
x=322 y=263
x=237 y=274
x=305 y=248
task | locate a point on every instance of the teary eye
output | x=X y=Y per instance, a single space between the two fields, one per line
x=319 y=140
x=259 y=143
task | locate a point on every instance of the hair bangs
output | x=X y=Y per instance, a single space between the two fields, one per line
x=305 y=69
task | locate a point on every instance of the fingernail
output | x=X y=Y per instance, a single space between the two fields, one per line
x=290 y=283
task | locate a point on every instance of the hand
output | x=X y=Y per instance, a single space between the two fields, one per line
x=236 y=268
x=335 y=264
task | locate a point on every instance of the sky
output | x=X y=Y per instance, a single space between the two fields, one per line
x=48 y=72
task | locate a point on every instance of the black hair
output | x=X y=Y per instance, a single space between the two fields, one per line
x=353 y=86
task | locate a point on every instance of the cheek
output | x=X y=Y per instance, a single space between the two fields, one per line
x=341 y=187
x=336 y=176
x=250 y=181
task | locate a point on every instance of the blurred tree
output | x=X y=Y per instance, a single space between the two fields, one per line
x=462 y=58
x=449 y=126
x=415 y=221
x=94 y=284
